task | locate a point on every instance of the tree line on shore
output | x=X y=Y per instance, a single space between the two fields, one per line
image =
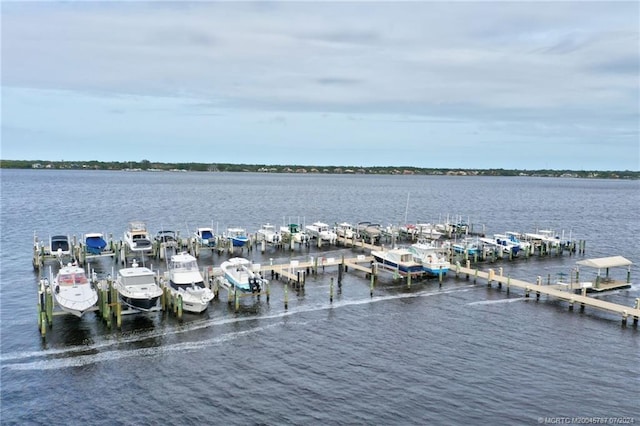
x=146 y=165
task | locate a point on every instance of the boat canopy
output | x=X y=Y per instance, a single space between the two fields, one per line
x=605 y=262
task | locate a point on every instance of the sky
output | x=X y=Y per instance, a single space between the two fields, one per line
x=451 y=84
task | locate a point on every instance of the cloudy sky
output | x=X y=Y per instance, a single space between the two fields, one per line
x=479 y=84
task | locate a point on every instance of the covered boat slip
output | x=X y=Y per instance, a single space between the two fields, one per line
x=603 y=280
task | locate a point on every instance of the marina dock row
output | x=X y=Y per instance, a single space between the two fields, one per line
x=294 y=274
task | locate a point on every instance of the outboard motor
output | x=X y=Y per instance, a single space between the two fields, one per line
x=254 y=284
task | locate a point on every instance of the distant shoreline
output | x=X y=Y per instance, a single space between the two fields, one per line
x=145 y=165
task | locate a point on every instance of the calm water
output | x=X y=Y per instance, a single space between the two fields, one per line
x=462 y=354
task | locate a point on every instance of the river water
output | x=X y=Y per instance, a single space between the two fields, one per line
x=457 y=354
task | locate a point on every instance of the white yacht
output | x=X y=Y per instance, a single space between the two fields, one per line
x=185 y=280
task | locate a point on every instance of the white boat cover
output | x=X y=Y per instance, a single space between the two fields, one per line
x=605 y=262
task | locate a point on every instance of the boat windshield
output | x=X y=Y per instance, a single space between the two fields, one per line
x=72 y=279
x=199 y=284
x=190 y=265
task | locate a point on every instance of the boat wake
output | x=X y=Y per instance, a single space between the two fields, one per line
x=496 y=302
x=77 y=356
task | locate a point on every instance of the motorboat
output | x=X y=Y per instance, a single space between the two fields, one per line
x=469 y=245
x=293 y=232
x=59 y=245
x=345 y=230
x=433 y=260
x=321 y=231
x=427 y=230
x=95 y=243
x=369 y=232
x=269 y=234
x=399 y=259
x=502 y=243
x=238 y=236
x=186 y=282
x=137 y=238
x=167 y=237
x=516 y=238
x=243 y=275
x=73 y=291
x=205 y=237
x=137 y=287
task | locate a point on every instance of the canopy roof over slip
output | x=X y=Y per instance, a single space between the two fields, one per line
x=605 y=262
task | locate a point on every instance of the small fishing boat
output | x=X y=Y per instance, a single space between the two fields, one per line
x=73 y=291
x=167 y=237
x=428 y=231
x=186 y=282
x=433 y=260
x=269 y=234
x=243 y=275
x=321 y=231
x=500 y=242
x=59 y=245
x=238 y=236
x=137 y=238
x=293 y=232
x=345 y=230
x=137 y=287
x=399 y=259
x=95 y=243
x=205 y=237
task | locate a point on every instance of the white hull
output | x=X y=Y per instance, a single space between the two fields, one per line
x=77 y=301
x=137 y=288
x=73 y=292
x=185 y=281
x=239 y=273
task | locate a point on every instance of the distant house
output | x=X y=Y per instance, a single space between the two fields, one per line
x=36 y=166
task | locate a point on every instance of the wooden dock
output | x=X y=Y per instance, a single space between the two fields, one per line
x=553 y=291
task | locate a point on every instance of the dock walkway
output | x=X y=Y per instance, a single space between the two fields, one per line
x=553 y=291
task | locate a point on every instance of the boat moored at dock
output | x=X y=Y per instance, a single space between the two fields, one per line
x=400 y=259
x=73 y=291
x=243 y=275
x=95 y=243
x=433 y=259
x=137 y=288
x=237 y=236
x=186 y=282
x=137 y=238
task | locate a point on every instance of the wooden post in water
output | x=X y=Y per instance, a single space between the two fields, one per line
x=286 y=297
x=331 y=291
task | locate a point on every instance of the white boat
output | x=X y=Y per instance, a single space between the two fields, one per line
x=515 y=238
x=243 y=275
x=60 y=246
x=73 y=291
x=238 y=236
x=137 y=288
x=427 y=230
x=501 y=243
x=185 y=281
x=293 y=232
x=137 y=238
x=321 y=231
x=205 y=237
x=345 y=230
x=399 y=259
x=269 y=234
x=432 y=258
x=469 y=245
